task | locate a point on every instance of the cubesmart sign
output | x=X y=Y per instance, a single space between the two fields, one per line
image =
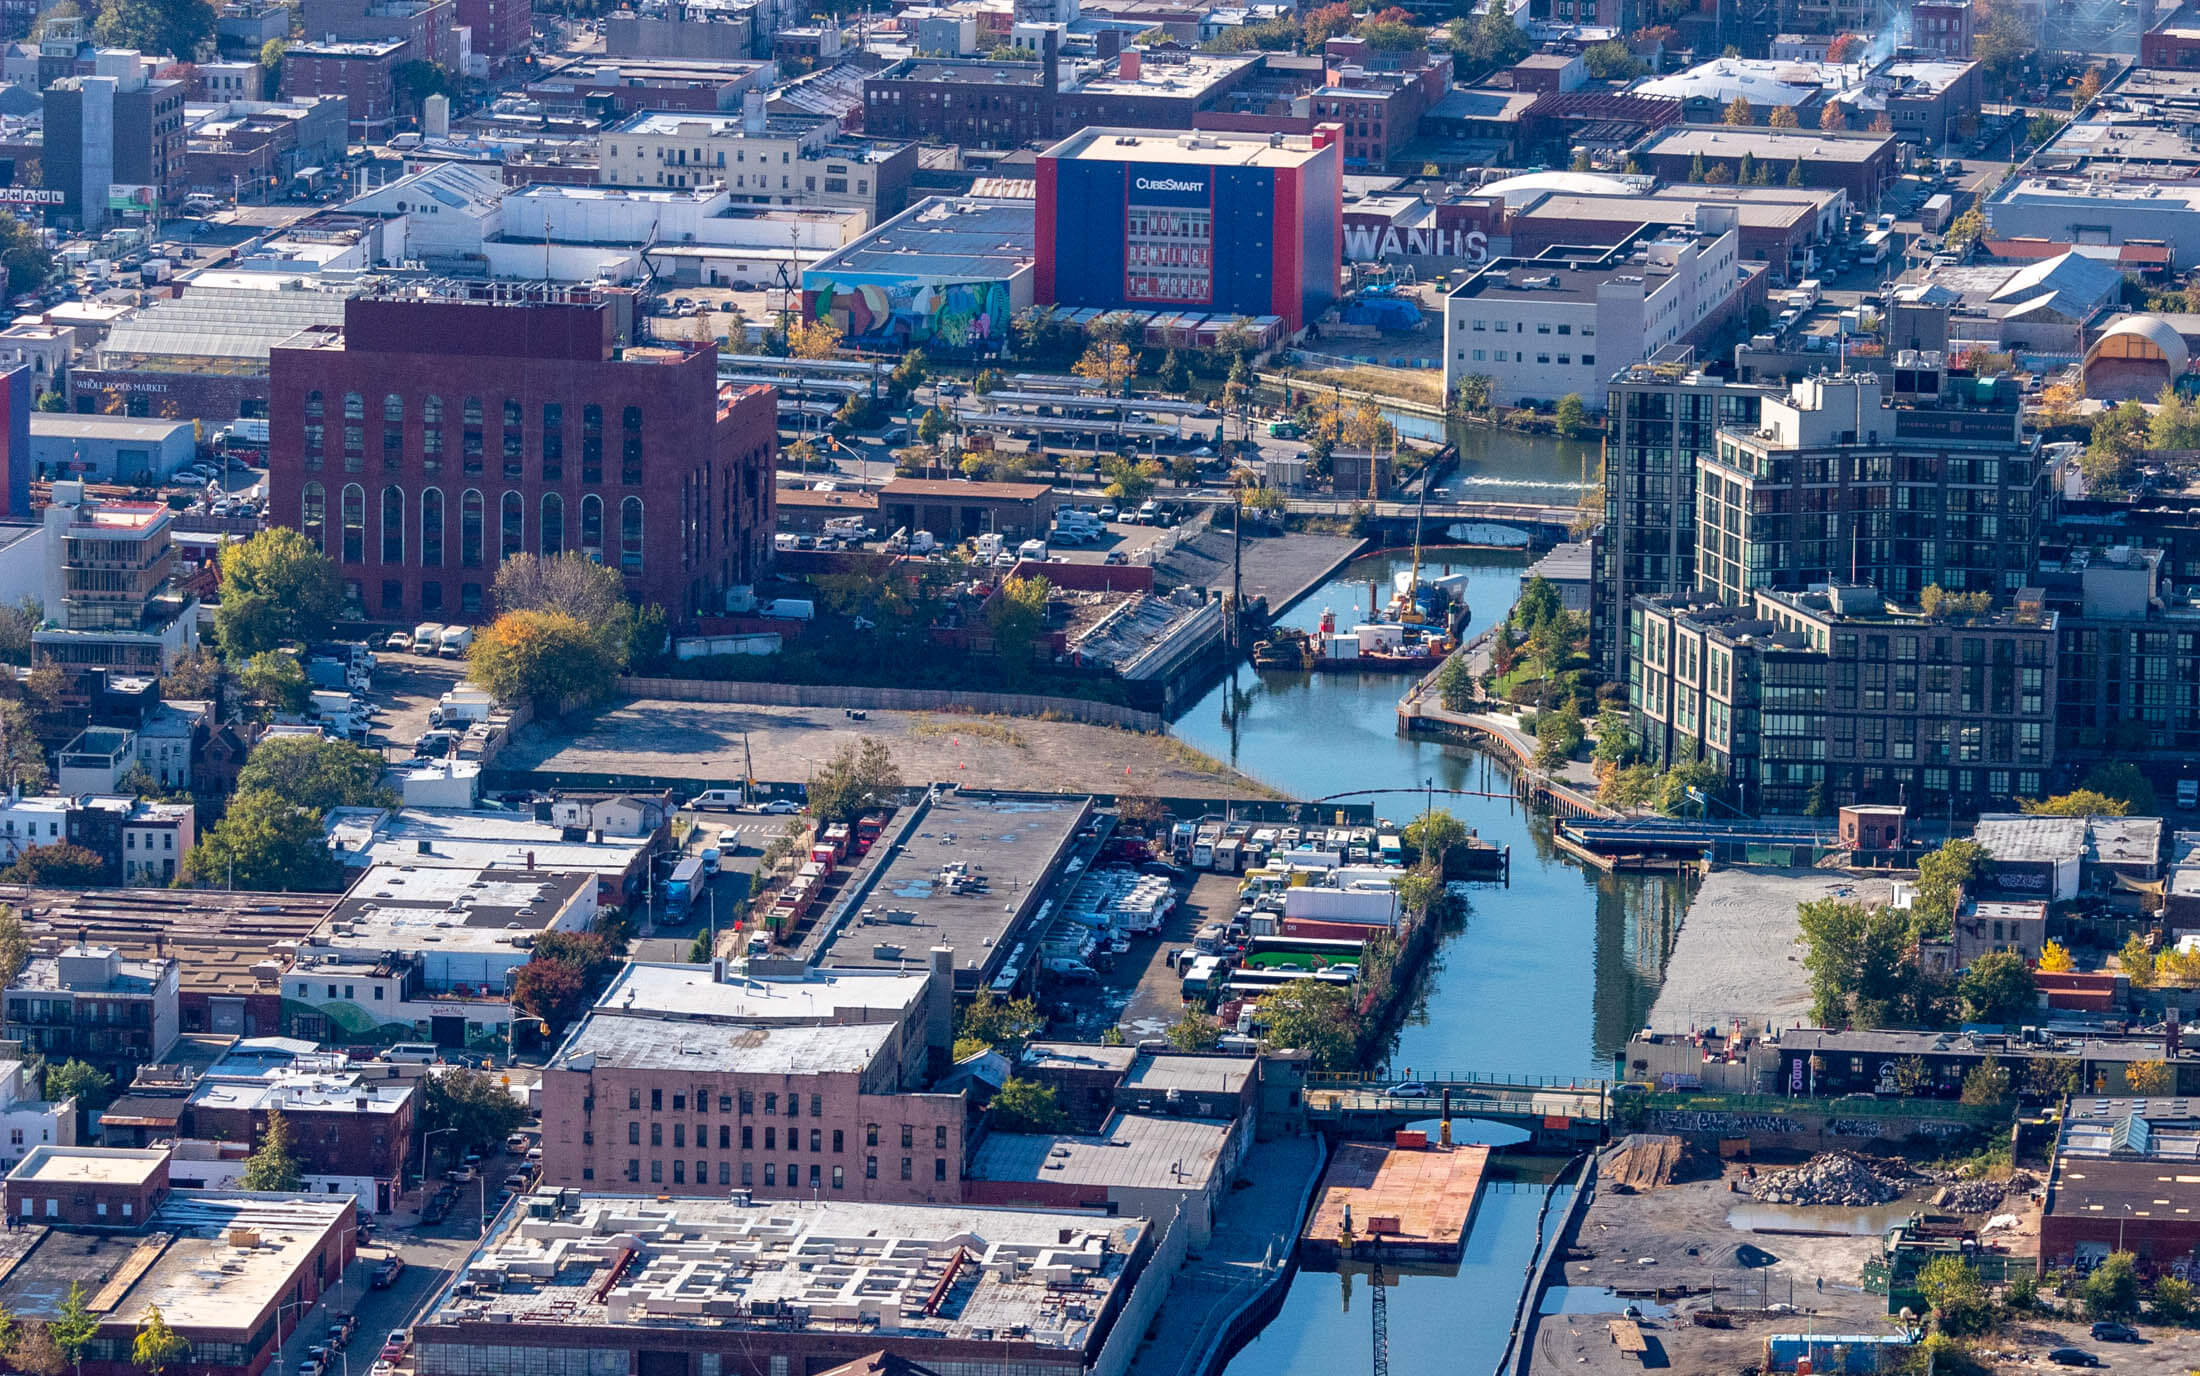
x=1171 y=188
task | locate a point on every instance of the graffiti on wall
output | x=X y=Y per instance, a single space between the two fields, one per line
x=970 y=316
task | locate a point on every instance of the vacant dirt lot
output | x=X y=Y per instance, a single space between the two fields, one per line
x=704 y=740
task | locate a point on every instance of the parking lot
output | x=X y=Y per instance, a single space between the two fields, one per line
x=405 y=687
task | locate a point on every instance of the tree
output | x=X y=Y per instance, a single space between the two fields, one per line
x=1311 y=1016
x=2050 y=1077
x=15 y=951
x=263 y=842
x=1110 y=364
x=1882 y=124
x=1844 y=48
x=416 y=80
x=1570 y=415
x=1028 y=1106
x=303 y=590
x=1016 y=616
x=198 y=675
x=555 y=991
x=36 y=1353
x=2112 y=1287
x=1783 y=117
x=23 y=253
x=1998 y=988
x=2121 y=780
x=1795 y=173
x=271 y=67
x=2175 y=424
x=1721 y=174
x=158 y=1346
x=1986 y=1084
x=551 y=659
x=1391 y=36
x=1833 y=117
x=74 y=1327
x=1966 y=229
x=1003 y=1025
x=1941 y=877
x=478 y=1111
x=1958 y=1297
x=2055 y=959
x=1129 y=480
x=62 y=865
x=2149 y=1077
x=273 y=1165
x=813 y=339
x=247 y=624
x=1433 y=835
x=1557 y=734
x=2172 y=1300
x=1747 y=171
x=1856 y=960
x=1455 y=683
x=178 y=27
x=2136 y=959
x=79 y=1080
x=1495 y=41
x=1611 y=61
x=1195 y=1031
x=317 y=773
x=571 y=583
x=273 y=679
x=1739 y=113
x=2089 y=89
x=2083 y=802
x=859 y=775
x=1472 y=396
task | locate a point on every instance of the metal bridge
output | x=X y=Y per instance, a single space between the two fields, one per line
x=1552 y=1111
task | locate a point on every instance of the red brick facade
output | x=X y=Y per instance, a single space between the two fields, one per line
x=434 y=436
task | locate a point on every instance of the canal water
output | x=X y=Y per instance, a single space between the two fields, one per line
x=1546 y=977
x=1501 y=466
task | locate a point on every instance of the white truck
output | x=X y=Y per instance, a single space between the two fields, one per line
x=454 y=642
x=462 y=706
x=426 y=636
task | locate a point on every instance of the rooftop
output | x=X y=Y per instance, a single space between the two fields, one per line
x=1724 y=141
x=400 y=907
x=472 y=841
x=943 y=237
x=1040 y=1278
x=2102 y=840
x=1206 y=148
x=608 y=1039
x=89 y=1166
x=1131 y=1151
x=690 y=993
x=1191 y=1074
x=307 y=1089
x=716 y=125
x=66 y=425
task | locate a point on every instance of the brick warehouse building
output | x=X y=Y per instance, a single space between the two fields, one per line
x=1240 y=224
x=434 y=433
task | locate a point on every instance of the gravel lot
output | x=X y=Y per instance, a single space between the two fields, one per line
x=1739 y=954
x=703 y=740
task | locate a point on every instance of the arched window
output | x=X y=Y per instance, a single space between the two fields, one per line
x=393 y=524
x=592 y=527
x=553 y=525
x=630 y=535
x=511 y=524
x=469 y=529
x=355 y=406
x=355 y=523
x=393 y=409
x=431 y=528
x=313 y=515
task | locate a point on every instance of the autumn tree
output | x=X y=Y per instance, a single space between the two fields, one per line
x=813 y=339
x=1844 y=48
x=1739 y=112
x=157 y=1346
x=547 y=658
x=1833 y=117
x=1111 y=364
x=2089 y=89
x=2149 y=1077
x=859 y=775
x=1783 y=117
x=2081 y=802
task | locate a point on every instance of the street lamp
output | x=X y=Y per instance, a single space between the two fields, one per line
x=287 y=1304
x=425 y=1138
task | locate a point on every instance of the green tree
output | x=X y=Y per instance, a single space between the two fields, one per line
x=2083 y=802
x=1313 y=1016
x=478 y=1110
x=2172 y=1300
x=23 y=253
x=62 y=865
x=2112 y=1287
x=1434 y=835
x=858 y=776
x=274 y=1165
x=416 y=80
x=1611 y=62
x=1028 y=1106
x=1195 y=1031
x=1494 y=41
x=1557 y=734
x=1001 y=1024
x=2137 y=961
x=263 y=842
x=15 y=951
x=1986 y=1084
x=1857 y=962
x=316 y=773
x=74 y=1327
x=2122 y=780
x=178 y=27
x=302 y=589
x=551 y=659
x=271 y=67
x=1958 y=1297
x=1941 y=877
x=2050 y=1077
x=79 y=1080
x=1998 y=988
x=273 y=679
x=1016 y=616
x=1455 y=683
x=1966 y=229
x=1129 y=479
x=1391 y=36
x=157 y=1346
x=1571 y=415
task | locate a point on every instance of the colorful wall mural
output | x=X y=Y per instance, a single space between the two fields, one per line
x=965 y=316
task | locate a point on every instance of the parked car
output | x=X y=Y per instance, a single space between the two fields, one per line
x=389 y=1272
x=780 y=807
x=2073 y=1356
x=2109 y=1332
x=398 y=642
x=396 y=1345
x=1409 y=1089
x=516 y=1142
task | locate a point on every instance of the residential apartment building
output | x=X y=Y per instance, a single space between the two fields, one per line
x=1663 y=416
x=635 y=456
x=89 y=1003
x=155 y=838
x=110 y=599
x=28 y=1122
x=116 y=128
x=682 y=1079
x=1835 y=695
x=1567 y=320
x=760 y=159
x=353 y=1130
x=1837 y=485
x=2128 y=671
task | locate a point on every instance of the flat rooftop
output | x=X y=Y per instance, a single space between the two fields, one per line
x=1131 y=1151
x=684 y=123
x=1158 y=1074
x=67 y=426
x=1712 y=141
x=473 y=841
x=401 y=907
x=607 y=1039
x=964 y=880
x=185 y=1262
x=1182 y=75
x=823 y=1266
x=1671 y=206
x=1208 y=149
x=304 y=1089
x=689 y=993
x=2106 y=840
x=89 y=1165
x=943 y=237
x=1076 y=1056
x=970 y=72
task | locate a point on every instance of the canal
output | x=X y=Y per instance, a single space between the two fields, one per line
x=1502 y=466
x=1547 y=977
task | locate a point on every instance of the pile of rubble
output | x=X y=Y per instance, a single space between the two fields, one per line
x=1835 y=1178
x=1981 y=1196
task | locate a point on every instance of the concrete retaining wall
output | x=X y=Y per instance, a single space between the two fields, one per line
x=1810 y=1131
x=890 y=700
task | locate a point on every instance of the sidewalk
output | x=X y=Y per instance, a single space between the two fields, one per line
x=1254 y=1238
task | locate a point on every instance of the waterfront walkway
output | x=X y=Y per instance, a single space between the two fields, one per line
x=1570 y=790
x=1250 y=1251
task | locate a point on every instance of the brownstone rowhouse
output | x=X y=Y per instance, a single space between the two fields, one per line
x=438 y=431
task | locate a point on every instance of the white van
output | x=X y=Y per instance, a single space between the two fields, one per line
x=718 y=800
x=412 y=1053
x=1034 y=550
